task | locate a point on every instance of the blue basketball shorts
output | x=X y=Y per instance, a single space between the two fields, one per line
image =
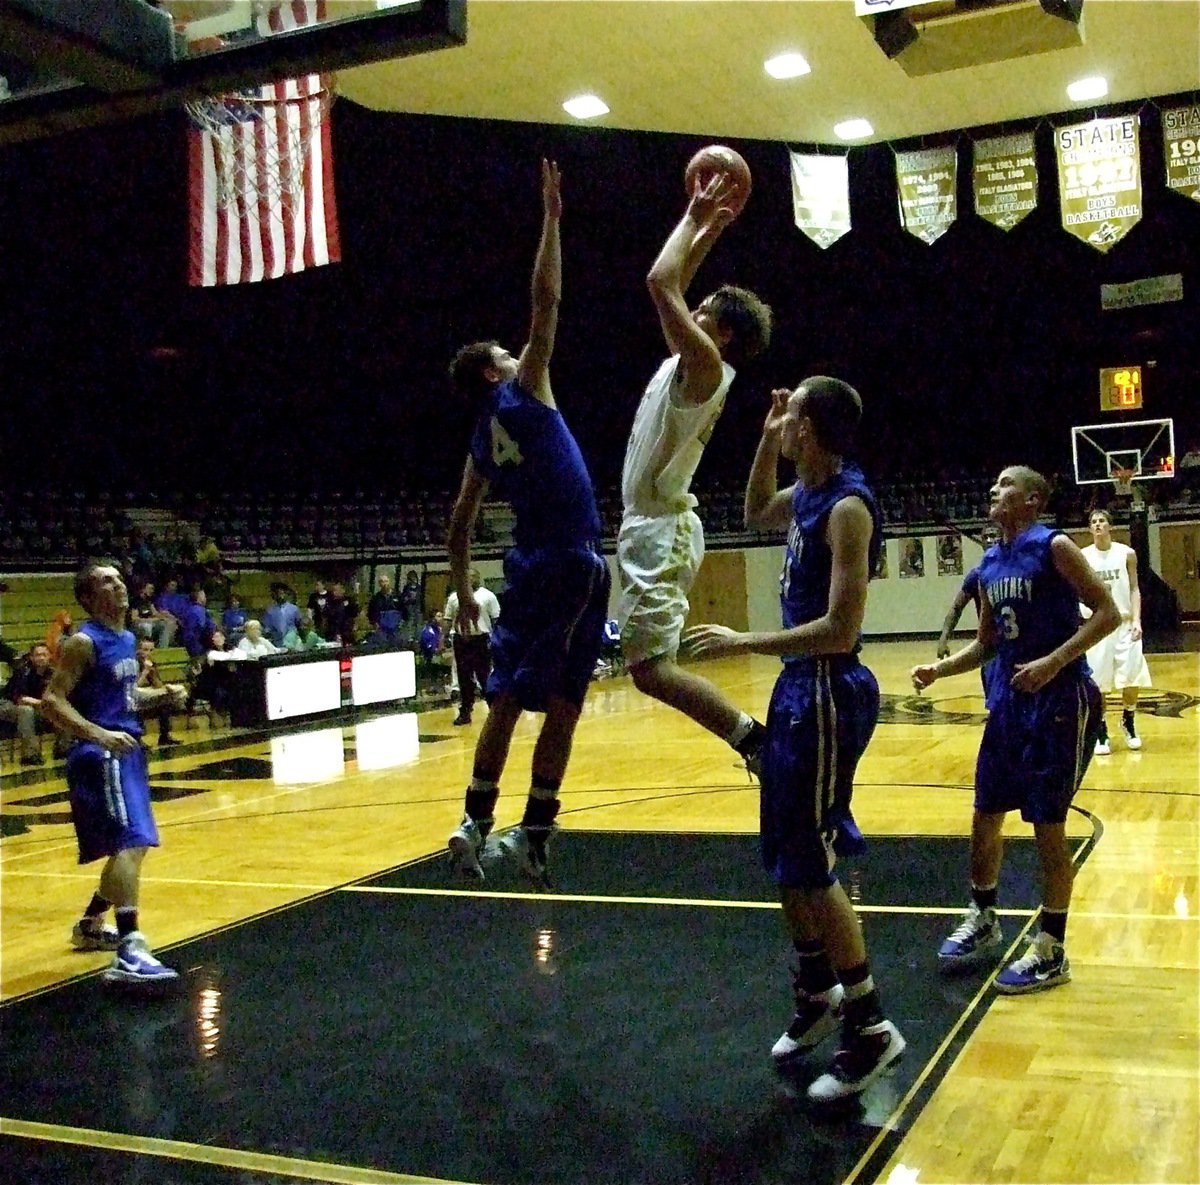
x=547 y=639
x=1036 y=747
x=822 y=714
x=110 y=801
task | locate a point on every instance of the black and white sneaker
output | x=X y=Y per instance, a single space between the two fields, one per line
x=817 y=1017
x=865 y=1054
x=1129 y=729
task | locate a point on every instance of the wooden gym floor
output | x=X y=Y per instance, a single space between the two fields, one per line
x=347 y=1014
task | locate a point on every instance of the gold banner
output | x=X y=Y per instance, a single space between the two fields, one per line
x=1181 y=149
x=1100 y=179
x=927 y=188
x=1005 y=179
x=821 y=197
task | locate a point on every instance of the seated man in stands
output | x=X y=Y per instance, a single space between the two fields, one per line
x=304 y=636
x=233 y=619
x=21 y=700
x=148 y=676
x=254 y=645
x=171 y=600
x=147 y=620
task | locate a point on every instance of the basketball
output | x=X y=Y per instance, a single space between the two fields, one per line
x=716 y=158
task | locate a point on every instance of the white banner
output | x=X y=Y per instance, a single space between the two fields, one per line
x=927 y=188
x=1100 y=179
x=1181 y=149
x=821 y=197
x=1005 y=179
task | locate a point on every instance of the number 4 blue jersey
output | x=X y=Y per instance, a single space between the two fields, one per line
x=105 y=692
x=1034 y=610
x=531 y=460
x=808 y=565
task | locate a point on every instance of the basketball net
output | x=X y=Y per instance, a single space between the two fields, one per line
x=263 y=143
x=1123 y=485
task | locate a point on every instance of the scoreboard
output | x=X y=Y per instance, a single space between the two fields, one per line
x=1120 y=388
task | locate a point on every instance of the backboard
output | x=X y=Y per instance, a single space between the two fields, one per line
x=1146 y=447
x=65 y=65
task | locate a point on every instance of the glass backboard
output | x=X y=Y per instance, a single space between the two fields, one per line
x=1102 y=451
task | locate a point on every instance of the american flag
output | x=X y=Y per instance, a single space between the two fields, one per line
x=260 y=175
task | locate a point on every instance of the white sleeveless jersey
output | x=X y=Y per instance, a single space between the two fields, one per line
x=666 y=443
x=1112 y=568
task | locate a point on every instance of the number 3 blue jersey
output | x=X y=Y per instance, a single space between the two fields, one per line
x=105 y=693
x=1034 y=610
x=531 y=460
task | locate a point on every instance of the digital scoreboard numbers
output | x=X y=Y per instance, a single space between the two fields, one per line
x=1120 y=388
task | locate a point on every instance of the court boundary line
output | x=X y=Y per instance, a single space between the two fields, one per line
x=213 y=1154
x=918 y=1095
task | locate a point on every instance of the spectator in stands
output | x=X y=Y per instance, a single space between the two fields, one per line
x=385 y=611
x=304 y=635
x=341 y=612
x=21 y=700
x=211 y=566
x=254 y=645
x=167 y=557
x=233 y=619
x=149 y=677
x=148 y=621
x=61 y=627
x=141 y=557
x=197 y=627
x=411 y=602
x=213 y=681
x=171 y=600
x=280 y=616
x=317 y=600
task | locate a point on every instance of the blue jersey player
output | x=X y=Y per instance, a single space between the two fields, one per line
x=1044 y=718
x=823 y=711
x=94 y=697
x=552 y=613
x=969 y=593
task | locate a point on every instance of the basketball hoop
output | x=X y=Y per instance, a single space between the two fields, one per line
x=263 y=142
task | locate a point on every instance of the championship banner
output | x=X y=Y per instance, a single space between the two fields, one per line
x=1005 y=179
x=821 y=197
x=1181 y=149
x=927 y=188
x=1100 y=179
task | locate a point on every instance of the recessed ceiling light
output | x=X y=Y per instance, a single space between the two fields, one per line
x=787 y=65
x=585 y=106
x=853 y=129
x=1087 y=88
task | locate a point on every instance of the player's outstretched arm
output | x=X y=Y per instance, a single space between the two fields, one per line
x=471 y=493
x=766 y=507
x=700 y=360
x=533 y=369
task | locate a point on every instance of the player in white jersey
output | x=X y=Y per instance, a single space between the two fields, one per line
x=661 y=541
x=1117 y=661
